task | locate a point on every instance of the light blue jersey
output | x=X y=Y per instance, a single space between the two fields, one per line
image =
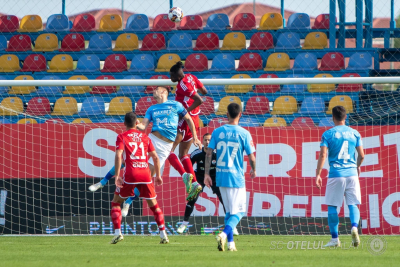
x=341 y=142
x=165 y=118
x=231 y=141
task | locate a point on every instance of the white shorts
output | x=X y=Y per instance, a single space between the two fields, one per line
x=348 y=187
x=234 y=199
x=163 y=149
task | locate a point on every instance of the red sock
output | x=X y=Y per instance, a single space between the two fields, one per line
x=158 y=216
x=187 y=164
x=174 y=161
x=116 y=216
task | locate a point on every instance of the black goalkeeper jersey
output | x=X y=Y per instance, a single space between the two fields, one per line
x=199 y=157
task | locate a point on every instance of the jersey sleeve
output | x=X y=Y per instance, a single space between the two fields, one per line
x=198 y=83
x=249 y=144
x=148 y=115
x=187 y=89
x=120 y=142
x=324 y=140
x=359 y=139
x=212 y=143
x=180 y=110
x=150 y=147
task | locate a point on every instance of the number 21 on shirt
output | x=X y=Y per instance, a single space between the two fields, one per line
x=135 y=148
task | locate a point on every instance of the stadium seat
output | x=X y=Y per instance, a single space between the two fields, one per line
x=65 y=106
x=84 y=23
x=9 y=23
x=57 y=23
x=22 y=90
x=322 y=22
x=275 y=122
x=360 y=61
x=110 y=23
x=3 y=43
x=207 y=108
x=278 y=62
x=298 y=21
x=115 y=63
x=110 y=120
x=285 y=105
x=267 y=88
x=303 y=122
x=143 y=104
x=217 y=122
x=27 y=121
x=288 y=40
x=31 y=23
x=261 y=41
x=271 y=21
x=100 y=42
x=72 y=42
x=137 y=23
x=248 y=122
x=239 y=88
x=312 y=105
x=109 y=89
x=322 y=88
x=88 y=63
x=223 y=62
x=315 y=40
x=34 y=63
x=153 y=42
x=250 y=62
x=61 y=63
x=305 y=62
x=50 y=90
x=326 y=122
x=11 y=106
x=207 y=41
x=77 y=90
x=38 y=106
x=166 y=61
x=332 y=61
x=55 y=121
x=46 y=42
x=162 y=23
x=92 y=106
x=81 y=120
x=19 y=43
x=224 y=102
x=192 y=22
x=9 y=63
x=180 y=41
x=3 y=89
x=150 y=89
x=126 y=42
x=119 y=106
x=340 y=100
x=294 y=88
x=131 y=89
x=350 y=87
x=217 y=22
x=196 y=62
x=256 y=105
x=244 y=22
x=215 y=89
x=142 y=63
x=234 y=41
x=4 y=121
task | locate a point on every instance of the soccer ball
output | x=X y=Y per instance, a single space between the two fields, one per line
x=175 y=14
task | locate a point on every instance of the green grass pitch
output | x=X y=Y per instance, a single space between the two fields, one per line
x=199 y=251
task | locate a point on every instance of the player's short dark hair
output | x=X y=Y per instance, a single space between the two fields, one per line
x=234 y=109
x=130 y=119
x=207 y=134
x=339 y=113
x=177 y=67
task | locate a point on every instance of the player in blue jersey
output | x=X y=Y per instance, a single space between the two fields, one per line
x=230 y=142
x=340 y=144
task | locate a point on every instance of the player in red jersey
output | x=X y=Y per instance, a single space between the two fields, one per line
x=135 y=147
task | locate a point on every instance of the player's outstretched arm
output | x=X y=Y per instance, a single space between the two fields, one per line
x=360 y=158
x=203 y=90
x=156 y=160
x=321 y=161
x=207 y=165
x=117 y=167
x=192 y=128
x=143 y=125
x=252 y=161
x=197 y=102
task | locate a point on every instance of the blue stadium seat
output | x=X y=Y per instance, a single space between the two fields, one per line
x=100 y=42
x=294 y=88
x=92 y=106
x=305 y=62
x=110 y=120
x=3 y=43
x=57 y=23
x=142 y=63
x=223 y=62
x=288 y=40
x=326 y=122
x=248 y=122
x=138 y=23
x=3 y=89
x=4 y=121
x=180 y=41
x=312 y=105
x=217 y=22
x=132 y=89
x=215 y=89
x=50 y=90
x=299 y=21
x=88 y=63
x=360 y=61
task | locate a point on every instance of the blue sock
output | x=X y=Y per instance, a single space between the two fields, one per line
x=333 y=221
x=235 y=219
x=109 y=175
x=227 y=215
x=354 y=215
x=130 y=199
x=229 y=233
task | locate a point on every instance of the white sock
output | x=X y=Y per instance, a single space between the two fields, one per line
x=185 y=223
x=163 y=234
x=230 y=244
x=223 y=235
x=117 y=232
x=335 y=239
x=354 y=228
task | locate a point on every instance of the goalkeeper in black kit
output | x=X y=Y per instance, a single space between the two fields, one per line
x=198 y=156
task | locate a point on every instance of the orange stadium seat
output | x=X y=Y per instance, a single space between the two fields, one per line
x=27 y=121
x=46 y=42
x=340 y=100
x=82 y=120
x=119 y=106
x=285 y=105
x=322 y=88
x=22 y=90
x=11 y=106
x=61 y=63
x=31 y=23
x=126 y=42
x=65 y=106
x=234 y=41
x=224 y=102
x=271 y=21
x=239 y=88
x=166 y=61
x=76 y=90
x=315 y=40
x=278 y=62
x=9 y=63
x=110 y=23
x=275 y=122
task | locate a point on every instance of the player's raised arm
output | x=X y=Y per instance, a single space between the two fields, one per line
x=197 y=102
x=321 y=161
x=192 y=128
x=143 y=125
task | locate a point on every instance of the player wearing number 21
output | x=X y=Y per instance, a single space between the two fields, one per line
x=230 y=142
x=340 y=143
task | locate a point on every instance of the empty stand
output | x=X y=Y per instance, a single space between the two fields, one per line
x=275 y=122
x=76 y=89
x=65 y=106
x=244 y=22
x=3 y=43
x=27 y=121
x=215 y=89
x=322 y=88
x=131 y=89
x=305 y=62
x=115 y=63
x=19 y=43
x=153 y=42
x=257 y=105
x=271 y=21
x=217 y=122
x=180 y=41
x=9 y=63
x=50 y=90
x=239 y=88
x=11 y=106
x=217 y=22
x=285 y=105
x=38 y=106
x=223 y=62
x=350 y=87
x=360 y=61
x=162 y=23
x=3 y=89
x=223 y=104
x=61 y=63
x=46 y=42
x=294 y=88
x=278 y=62
x=299 y=21
x=34 y=63
x=9 y=23
x=267 y=88
x=4 y=121
x=312 y=105
x=207 y=41
x=322 y=22
x=31 y=23
x=84 y=23
x=143 y=104
x=104 y=89
x=138 y=23
x=150 y=89
x=315 y=40
x=192 y=22
x=234 y=41
x=196 y=62
x=303 y=122
x=57 y=23
x=82 y=120
x=288 y=40
x=207 y=108
x=92 y=106
x=332 y=61
x=72 y=42
x=261 y=41
x=248 y=122
x=88 y=63
x=119 y=106
x=250 y=62
x=166 y=61
x=100 y=42
x=110 y=23
x=326 y=122
x=340 y=100
x=126 y=42
x=142 y=63
x=22 y=90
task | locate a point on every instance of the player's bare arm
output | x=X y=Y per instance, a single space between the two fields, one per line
x=321 y=161
x=202 y=90
x=158 y=180
x=118 y=162
x=143 y=125
x=192 y=127
x=252 y=161
x=197 y=102
x=207 y=165
x=360 y=158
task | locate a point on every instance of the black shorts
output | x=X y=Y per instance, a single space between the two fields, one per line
x=214 y=187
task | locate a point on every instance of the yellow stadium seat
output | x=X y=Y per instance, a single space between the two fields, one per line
x=119 y=106
x=275 y=122
x=46 y=42
x=234 y=41
x=166 y=62
x=201 y=123
x=271 y=21
x=77 y=90
x=315 y=40
x=224 y=102
x=9 y=63
x=110 y=23
x=61 y=63
x=341 y=100
x=278 y=62
x=285 y=105
x=239 y=88
x=22 y=90
x=11 y=106
x=82 y=120
x=65 y=106
x=27 y=121
x=31 y=23
x=126 y=42
x=322 y=88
